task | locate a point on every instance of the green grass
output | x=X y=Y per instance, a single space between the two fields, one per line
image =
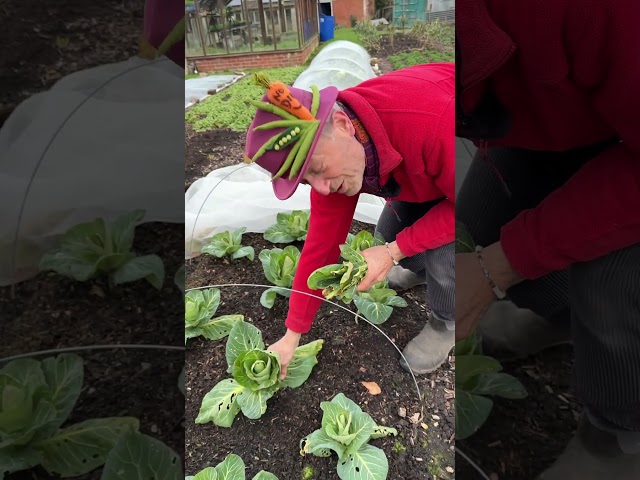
x=417 y=57
x=347 y=34
x=231 y=108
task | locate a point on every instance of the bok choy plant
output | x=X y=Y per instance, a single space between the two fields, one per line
x=36 y=398
x=200 y=306
x=255 y=373
x=363 y=240
x=92 y=249
x=346 y=430
x=229 y=244
x=279 y=267
x=376 y=304
x=231 y=468
x=289 y=227
x=340 y=280
x=477 y=376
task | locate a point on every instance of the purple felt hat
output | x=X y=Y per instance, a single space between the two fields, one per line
x=272 y=160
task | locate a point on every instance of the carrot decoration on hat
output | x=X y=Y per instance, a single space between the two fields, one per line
x=300 y=124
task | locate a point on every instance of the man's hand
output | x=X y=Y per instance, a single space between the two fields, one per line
x=285 y=348
x=474 y=295
x=379 y=262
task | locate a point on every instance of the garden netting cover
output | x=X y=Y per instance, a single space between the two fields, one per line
x=242 y=196
x=99 y=143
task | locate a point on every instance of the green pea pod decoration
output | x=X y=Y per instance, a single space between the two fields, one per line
x=268 y=107
x=315 y=103
x=285 y=138
x=287 y=163
x=304 y=149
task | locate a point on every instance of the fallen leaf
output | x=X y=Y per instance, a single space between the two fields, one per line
x=402 y=412
x=373 y=387
x=424 y=425
x=415 y=418
x=449 y=469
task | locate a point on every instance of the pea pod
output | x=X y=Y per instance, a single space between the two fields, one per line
x=267 y=145
x=285 y=138
x=281 y=124
x=315 y=103
x=304 y=149
x=292 y=154
x=267 y=107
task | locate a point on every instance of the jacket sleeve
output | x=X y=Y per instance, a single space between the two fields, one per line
x=597 y=211
x=437 y=227
x=329 y=224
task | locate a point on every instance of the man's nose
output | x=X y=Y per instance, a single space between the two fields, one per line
x=322 y=186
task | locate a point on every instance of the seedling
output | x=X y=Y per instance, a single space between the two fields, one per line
x=231 y=468
x=346 y=430
x=279 y=267
x=200 y=306
x=101 y=248
x=256 y=376
x=229 y=244
x=289 y=227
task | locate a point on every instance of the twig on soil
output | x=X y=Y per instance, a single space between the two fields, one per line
x=93 y=347
x=324 y=300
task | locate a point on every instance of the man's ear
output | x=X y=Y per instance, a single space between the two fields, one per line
x=343 y=123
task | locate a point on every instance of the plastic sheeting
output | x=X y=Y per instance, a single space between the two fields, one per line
x=99 y=143
x=341 y=64
x=242 y=196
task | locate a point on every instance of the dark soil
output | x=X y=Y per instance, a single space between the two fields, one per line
x=51 y=312
x=43 y=42
x=352 y=353
x=524 y=437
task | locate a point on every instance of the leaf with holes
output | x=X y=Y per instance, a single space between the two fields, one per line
x=367 y=463
x=14 y=459
x=140 y=456
x=83 y=447
x=220 y=405
x=254 y=403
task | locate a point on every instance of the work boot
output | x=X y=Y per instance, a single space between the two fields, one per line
x=594 y=454
x=511 y=333
x=429 y=349
x=400 y=279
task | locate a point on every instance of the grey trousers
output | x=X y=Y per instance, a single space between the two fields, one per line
x=600 y=298
x=437 y=265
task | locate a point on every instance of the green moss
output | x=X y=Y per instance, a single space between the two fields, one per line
x=399 y=447
x=308 y=473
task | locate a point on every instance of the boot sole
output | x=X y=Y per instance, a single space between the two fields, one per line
x=406 y=368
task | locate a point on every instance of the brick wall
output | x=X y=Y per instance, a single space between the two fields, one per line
x=253 y=60
x=361 y=9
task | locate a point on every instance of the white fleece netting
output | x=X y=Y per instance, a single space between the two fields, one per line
x=99 y=143
x=242 y=196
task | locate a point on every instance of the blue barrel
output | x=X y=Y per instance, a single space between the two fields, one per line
x=327 y=27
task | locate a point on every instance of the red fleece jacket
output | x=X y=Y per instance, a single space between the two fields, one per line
x=409 y=115
x=568 y=71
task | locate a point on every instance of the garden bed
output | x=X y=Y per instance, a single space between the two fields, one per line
x=352 y=353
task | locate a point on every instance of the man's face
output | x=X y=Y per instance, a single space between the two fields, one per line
x=338 y=161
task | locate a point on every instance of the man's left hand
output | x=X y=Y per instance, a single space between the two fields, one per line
x=379 y=262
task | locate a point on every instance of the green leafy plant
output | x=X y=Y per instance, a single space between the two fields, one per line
x=279 y=267
x=477 y=376
x=36 y=398
x=136 y=455
x=376 y=304
x=229 y=244
x=346 y=430
x=101 y=248
x=363 y=240
x=256 y=373
x=231 y=468
x=340 y=280
x=289 y=227
x=200 y=306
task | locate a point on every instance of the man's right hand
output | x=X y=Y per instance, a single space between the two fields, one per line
x=285 y=348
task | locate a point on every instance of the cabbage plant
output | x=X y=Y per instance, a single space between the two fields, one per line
x=231 y=468
x=363 y=240
x=279 y=267
x=255 y=376
x=340 y=280
x=36 y=399
x=346 y=430
x=199 y=308
x=229 y=244
x=100 y=248
x=376 y=304
x=289 y=227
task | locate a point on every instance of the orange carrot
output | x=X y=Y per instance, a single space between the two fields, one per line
x=280 y=95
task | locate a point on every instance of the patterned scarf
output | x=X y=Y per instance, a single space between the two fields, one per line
x=371 y=180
